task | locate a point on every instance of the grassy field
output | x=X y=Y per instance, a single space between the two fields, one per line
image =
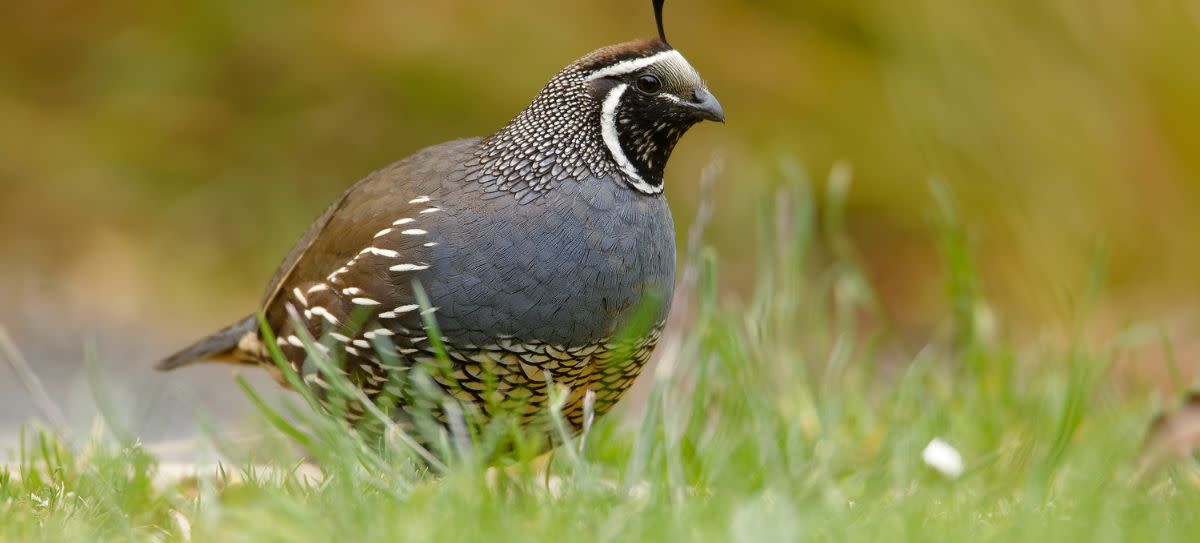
x=790 y=416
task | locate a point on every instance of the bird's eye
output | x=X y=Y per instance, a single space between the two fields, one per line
x=649 y=84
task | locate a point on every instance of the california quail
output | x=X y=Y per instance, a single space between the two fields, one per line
x=536 y=246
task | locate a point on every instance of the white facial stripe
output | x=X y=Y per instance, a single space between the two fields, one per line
x=633 y=65
x=608 y=130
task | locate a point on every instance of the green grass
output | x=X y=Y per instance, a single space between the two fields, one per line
x=789 y=416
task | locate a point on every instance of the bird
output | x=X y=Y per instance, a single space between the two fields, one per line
x=535 y=251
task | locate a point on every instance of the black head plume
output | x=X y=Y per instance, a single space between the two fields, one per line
x=658 y=5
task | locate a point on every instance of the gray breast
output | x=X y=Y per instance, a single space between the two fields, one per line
x=570 y=268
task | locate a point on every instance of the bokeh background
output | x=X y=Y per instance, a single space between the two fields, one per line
x=158 y=159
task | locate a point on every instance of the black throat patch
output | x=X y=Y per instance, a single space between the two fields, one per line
x=559 y=136
x=648 y=129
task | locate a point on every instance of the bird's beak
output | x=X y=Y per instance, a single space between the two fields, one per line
x=707 y=107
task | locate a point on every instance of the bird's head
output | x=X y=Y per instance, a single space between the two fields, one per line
x=649 y=95
x=618 y=110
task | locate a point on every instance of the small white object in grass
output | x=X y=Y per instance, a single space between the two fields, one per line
x=941 y=456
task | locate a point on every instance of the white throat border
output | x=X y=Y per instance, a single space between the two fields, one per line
x=608 y=130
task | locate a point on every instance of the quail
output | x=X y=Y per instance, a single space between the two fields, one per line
x=537 y=248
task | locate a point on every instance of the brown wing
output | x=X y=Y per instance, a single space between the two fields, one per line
x=349 y=278
x=289 y=262
x=348 y=225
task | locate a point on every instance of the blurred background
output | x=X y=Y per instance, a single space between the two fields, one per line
x=158 y=159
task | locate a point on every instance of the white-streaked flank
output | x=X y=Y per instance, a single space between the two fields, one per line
x=378 y=332
x=409 y=267
x=333 y=276
x=386 y=253
x=327 y=315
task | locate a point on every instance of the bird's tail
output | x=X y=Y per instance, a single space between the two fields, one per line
x=219 y=347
